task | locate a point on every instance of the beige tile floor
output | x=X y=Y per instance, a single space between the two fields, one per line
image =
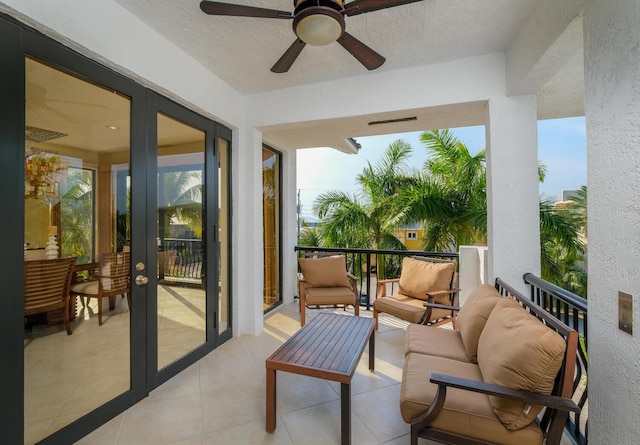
x=67 y=376
x=221 y=399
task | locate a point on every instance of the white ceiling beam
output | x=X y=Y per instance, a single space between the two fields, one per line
x=547 y=40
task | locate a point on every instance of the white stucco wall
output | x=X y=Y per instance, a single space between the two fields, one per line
x=513 y=220
x=612 y=80
x=466 y=80
x=107 y=32
x=530 y=61
x=512 y=175
x=112 y=35
x=473 y=263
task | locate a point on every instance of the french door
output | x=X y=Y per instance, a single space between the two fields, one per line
x=107 y=167
x=188 y=201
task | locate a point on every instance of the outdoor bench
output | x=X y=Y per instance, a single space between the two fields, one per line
x=504 y=377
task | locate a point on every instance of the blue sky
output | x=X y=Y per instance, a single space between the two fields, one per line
x=561 y=147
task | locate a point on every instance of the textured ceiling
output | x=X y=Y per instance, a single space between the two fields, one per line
x=241 y=50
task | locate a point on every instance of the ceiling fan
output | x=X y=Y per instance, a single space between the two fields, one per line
x=316 y=22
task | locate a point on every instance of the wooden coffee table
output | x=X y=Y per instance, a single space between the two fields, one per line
x=329 y=347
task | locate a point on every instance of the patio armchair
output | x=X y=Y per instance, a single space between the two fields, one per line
x=326 y=282
x=427 y=293
x=46 y=287
x=113 y=279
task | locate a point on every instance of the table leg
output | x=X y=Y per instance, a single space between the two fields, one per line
x=372 y=350
x=345 y=413
x=271 y=400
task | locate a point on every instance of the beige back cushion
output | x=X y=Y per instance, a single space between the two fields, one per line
x=420 y=277
x=329 y=271
x=518 y=351
x=473 y=315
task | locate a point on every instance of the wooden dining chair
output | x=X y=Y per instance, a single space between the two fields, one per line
x=46 y=287
x=112 y=280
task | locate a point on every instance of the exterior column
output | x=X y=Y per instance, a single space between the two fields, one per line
x=247 y=247
x=612 y=111
x=513 y=203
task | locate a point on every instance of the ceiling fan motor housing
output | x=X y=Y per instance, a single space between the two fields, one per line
x=318 y=22
x=339 y=3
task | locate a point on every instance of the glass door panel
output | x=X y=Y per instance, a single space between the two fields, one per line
x=77 y=141
x=181 y=249
x=271 y=227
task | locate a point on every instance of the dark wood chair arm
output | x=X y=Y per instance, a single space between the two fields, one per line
x=442 y=292
x=554 y=402
x=353 y=280
x=441 y=306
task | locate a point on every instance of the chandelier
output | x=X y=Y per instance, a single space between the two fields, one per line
x=43 y=172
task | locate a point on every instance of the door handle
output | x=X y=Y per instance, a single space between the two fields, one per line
x=141 y=280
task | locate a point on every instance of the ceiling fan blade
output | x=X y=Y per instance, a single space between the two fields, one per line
x=284 y=63
x=365 y=55
x=218 y=8
x=361 y=6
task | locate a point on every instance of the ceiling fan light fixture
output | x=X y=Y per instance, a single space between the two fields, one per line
x=319 y=26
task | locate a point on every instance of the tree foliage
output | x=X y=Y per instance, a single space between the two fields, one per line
x=448 y=198
x=365 y=220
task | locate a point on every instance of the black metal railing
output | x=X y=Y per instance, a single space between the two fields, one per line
x=180 y=258
x=572 y=310
x=368 y=265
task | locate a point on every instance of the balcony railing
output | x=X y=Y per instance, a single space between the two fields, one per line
x=369 y=265
x=567 y=307
x=180 y=259
x=572 y=310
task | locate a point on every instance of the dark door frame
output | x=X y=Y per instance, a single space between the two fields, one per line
x=18 y=42
x=213 y=131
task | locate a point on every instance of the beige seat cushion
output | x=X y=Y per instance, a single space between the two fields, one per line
x=468 y=413
x=421 y=277
x=473 y=316
x=329 y=271
x=407 y=308
x=86 y=288
x=431 y=340
x=518 y=351
x=330 y=295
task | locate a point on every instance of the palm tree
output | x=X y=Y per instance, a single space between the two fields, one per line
x=310 y=238
x=181 y=199
x=365 y=220
x=76 y=213
x=449 y=199
x=562 y=243
x=449 y=196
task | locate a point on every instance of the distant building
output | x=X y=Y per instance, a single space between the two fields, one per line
x=410 y=236
x=569 y=195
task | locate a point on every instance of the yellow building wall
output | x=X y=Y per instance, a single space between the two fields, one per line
x=410 y=243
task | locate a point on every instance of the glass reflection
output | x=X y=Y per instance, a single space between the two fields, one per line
x=76 y=145
x=181 y=250
x=271 y=227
